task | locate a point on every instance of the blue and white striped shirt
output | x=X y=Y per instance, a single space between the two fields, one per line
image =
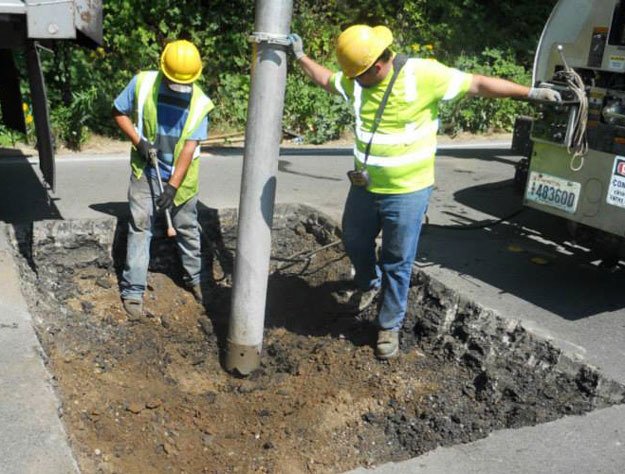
x=172 y=112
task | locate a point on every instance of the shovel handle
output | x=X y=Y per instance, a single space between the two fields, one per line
x=171 y=231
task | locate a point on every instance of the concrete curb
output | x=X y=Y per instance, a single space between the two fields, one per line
x=219 y=151
x=32 y=437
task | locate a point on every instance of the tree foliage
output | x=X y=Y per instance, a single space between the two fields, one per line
x=487 y=36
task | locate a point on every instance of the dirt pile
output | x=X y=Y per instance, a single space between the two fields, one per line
x=152 y=396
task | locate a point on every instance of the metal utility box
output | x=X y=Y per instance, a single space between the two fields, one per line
x=58 y=19
x=589 y=189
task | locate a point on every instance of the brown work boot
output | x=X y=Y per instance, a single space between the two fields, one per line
x=388 y=344
x=134 y=309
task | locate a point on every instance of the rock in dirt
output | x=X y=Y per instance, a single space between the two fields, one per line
x=206 y=325
x=135 y=407
x=103 y=282
x=152 y=404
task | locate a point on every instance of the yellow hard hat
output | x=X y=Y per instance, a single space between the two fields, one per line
x=359 y=46
x=181 y=62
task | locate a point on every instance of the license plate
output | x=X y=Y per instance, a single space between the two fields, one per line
x=553 y=191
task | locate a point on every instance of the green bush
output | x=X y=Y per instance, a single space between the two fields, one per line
x=309 y=111
x=231 y=98
x=312 y=113
x=69 y=122
x=135 y=32
x=480 y=115
x=8 y=137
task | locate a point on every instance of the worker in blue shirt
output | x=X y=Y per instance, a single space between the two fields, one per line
x=164 y=112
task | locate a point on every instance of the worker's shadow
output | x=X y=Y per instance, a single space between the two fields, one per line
x=300 y=298
x=301 y=292
x=164 y=255
x=528 y=254
x=300 y=308
x=27 y=199
x=309 y=310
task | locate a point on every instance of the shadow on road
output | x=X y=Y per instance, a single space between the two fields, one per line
x=530 y=255
x=285 y=167
x=483 y=154
x=25 y=196
x=13 y=153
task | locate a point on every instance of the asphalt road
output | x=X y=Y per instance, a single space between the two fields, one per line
x=566 y=297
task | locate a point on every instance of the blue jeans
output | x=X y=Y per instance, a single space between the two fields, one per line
x=141 y=196
x=399 y=217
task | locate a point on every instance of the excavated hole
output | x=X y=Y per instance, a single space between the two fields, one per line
x=152 y=397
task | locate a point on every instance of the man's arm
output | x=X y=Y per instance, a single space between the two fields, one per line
x=183 y=162
x=125 y=125
x=494 y=87
x=319 y=74
x=122 y=109
x=166 y=199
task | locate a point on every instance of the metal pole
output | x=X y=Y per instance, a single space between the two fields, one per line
x=258 y=185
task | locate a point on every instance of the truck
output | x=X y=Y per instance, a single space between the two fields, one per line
x=574 y=165
x=26 y=26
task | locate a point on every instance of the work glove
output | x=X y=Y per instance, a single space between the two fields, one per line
x=144 y=147
x=297 y=45
x=545 y=94
x=166 y=199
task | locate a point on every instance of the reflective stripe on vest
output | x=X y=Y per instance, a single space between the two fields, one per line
x=147 y=83
x=411 y=135
x=196 y=114
x=395 y=161
x=455 y=87
x=339 y=87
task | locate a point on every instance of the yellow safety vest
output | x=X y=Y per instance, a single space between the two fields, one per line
x=402 y=153
x=145 y=119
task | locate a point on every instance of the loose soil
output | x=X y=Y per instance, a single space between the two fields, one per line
x=151 y=396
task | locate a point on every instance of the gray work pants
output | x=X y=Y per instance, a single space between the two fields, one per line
x=142 y=193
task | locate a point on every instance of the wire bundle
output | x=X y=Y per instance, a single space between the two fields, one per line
x=579 y=144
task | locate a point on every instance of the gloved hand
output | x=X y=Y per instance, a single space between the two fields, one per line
x=297 y=45
x=166 y=199
x=144 y=147
x=544 y=93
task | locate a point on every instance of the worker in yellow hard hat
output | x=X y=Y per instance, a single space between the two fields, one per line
x=163 y=112
x=393 y=173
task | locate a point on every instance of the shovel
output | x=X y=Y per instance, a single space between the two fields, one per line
x=171 y=232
